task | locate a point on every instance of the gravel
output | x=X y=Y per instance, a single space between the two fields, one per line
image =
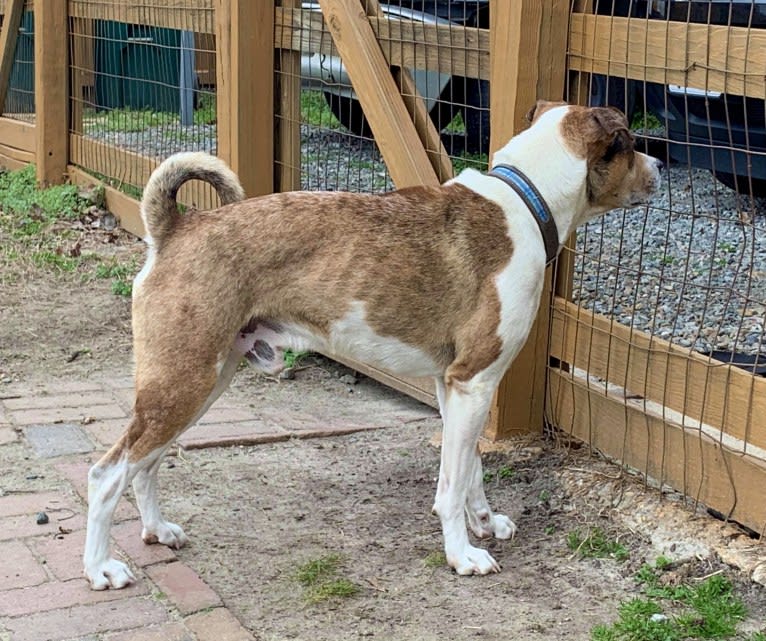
x=689 y=268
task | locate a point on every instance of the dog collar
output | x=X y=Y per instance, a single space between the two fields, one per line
x=536 y=204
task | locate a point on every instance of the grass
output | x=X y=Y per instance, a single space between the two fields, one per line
x=41 y=229
x=470 y=161
x=436 y=559
x=127 y=120
x=504 y=473
x=293 y=358
x=646 y=121
x=706 y=609
x=596 y=545
x=321 y=582
x=121 y=275
x=316 y=112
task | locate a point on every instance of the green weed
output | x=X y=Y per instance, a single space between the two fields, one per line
x=504 y=472
x=121 y=274
x=436 y=559
x=36 y=229
x=126 y=120
x=292 y=358
x=642 y=120
x=28 y=210
x=595 y=544
x=205 y=113
x=470 y=161
x=706 y=610
x=320 y=579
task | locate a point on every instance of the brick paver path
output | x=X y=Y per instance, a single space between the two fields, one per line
x=52 y=433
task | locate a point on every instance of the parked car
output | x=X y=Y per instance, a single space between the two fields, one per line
x=445 y=96
x=723 y=133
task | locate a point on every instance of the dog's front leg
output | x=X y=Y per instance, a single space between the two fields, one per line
x=464 y=411
x=482 y=520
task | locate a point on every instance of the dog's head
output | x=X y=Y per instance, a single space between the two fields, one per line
x=617 y=174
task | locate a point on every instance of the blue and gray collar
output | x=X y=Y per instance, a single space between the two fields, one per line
x=515 y=179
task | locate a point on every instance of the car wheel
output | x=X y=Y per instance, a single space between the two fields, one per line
x=476 y=116
x=350 y=114
x=741 y=184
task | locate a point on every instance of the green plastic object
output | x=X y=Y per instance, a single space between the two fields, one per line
x=137 y=66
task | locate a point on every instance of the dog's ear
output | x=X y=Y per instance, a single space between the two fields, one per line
x=540 y=107
x=609 y=119
x=613 y=130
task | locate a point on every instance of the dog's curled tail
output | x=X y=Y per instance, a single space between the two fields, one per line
x=159 y=209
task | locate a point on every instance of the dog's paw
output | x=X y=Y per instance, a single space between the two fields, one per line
x=166 y=533
x=109 y=574
x=473 y=561
x=503 y=527
x=484 y=524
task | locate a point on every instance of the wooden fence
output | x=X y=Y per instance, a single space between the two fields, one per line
x=682 y=418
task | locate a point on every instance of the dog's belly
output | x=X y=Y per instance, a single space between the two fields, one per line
x=353 y=338
x=263 y=343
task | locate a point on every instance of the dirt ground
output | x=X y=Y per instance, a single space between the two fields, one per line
x=255 y=514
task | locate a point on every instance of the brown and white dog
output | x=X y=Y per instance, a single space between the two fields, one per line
x=442 y=282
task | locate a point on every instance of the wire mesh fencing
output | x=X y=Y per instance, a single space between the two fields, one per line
x=660 y=313
x=143 y=85
x=19 y=101
x=431 y=51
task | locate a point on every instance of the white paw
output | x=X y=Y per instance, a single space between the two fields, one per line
x=484 y=525
x=503 y=527
x=109 y=574
x=166 y=533
x=473 y=561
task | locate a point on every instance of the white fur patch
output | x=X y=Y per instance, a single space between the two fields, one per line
x=150 y=256
x=353 y=337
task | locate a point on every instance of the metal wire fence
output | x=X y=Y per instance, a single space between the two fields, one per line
x=143 y=86
x=337 y=147
x=658 y=299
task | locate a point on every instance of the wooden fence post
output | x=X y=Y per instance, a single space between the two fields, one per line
x=528 y=40
x=52 y=90
x=245 y=90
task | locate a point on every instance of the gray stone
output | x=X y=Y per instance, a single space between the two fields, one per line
x=57 y=439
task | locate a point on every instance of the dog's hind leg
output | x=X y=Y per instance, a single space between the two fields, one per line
x=481 y=519
x=155 y=528
x=162 y=412
x=483 y=522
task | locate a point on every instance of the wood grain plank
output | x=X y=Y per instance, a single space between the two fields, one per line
x=711 y=57
x=9 y=35
x=684 y=458
x=386 y=113
x=715 y=393
x=18 y=134
x=51 y=90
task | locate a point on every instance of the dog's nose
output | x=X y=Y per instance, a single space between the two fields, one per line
x=658 y=164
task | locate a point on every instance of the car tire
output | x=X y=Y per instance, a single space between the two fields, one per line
x=741 y=184
x=350 y=114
